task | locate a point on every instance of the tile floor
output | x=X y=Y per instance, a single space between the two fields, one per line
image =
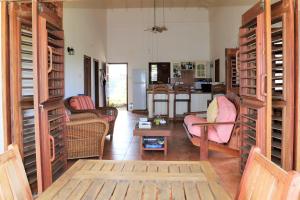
x=126 y=147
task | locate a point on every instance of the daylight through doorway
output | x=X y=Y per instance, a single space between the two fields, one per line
x=117 y=85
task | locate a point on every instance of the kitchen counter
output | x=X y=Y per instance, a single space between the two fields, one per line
x=150 y=91
x=198 y=103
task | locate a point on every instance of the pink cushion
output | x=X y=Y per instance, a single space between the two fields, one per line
x=227 y=113
x=196 y=130
x=82 y=103
x=220 y=133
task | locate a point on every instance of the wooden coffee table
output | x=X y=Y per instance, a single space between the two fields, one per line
x=155 y=131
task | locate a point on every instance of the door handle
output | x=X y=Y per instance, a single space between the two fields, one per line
x=53 y=147
x=51 y=59
x=263 y=79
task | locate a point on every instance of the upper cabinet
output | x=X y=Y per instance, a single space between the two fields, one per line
x=202 y=69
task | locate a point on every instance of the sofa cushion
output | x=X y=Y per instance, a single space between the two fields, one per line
x=227 y=113
x=196 y=130
x=82 y=103
x=212 y=111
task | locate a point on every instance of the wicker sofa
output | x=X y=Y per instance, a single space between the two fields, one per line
x=84 y=104
x=85 y=135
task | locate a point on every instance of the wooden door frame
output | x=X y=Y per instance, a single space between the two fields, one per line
x=87 y=91
x=96 y=83
x=5 y=75
x=103 y=66
x=121 y=63
x=217 y=60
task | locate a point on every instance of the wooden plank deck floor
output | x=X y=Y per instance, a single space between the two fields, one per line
x=104 y=179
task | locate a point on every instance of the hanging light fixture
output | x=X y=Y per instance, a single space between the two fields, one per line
x=155 y=28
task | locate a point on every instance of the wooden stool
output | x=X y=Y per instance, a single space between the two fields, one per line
x=161 y=90
x=178 y=90
x=217 y=89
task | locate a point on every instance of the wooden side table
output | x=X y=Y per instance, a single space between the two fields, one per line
x=155 y=131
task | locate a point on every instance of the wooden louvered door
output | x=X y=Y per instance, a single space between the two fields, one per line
x=22 y=87
x=278 y=145
x=252 y=81
x=252 y=67
x=51 y=90
x=51 y=46
x=283 y=70
x=232 y=72
x=252 y=130
x=53 y=121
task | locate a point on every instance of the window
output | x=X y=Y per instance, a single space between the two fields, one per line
x=159 y=73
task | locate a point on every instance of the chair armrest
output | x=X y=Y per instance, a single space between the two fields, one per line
x=91 y=127
x=195 y=113
x=215 y=123
x=84 y=111
x=83 y=116
x=108 y=110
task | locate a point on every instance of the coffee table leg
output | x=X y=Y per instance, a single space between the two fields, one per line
x=141 y=145
x=166 y=146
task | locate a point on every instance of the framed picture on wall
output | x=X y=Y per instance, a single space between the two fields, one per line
x=176 y=70
x=188 y=65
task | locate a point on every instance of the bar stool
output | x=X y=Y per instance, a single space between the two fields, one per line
x=181 y=90
x=161 y=90
x=217 y=90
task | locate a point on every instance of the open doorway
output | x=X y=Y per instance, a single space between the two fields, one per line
x=117 y=84
x=87 y=75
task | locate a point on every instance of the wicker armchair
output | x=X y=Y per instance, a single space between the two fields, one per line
x=85 y=136
x=102 y=112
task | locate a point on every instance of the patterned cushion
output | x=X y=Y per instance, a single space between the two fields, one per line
x=82 y=103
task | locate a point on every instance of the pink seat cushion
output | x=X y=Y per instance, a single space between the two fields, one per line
x=82 y=103
x=227 y=113
x=219 y=133
x=196 y=130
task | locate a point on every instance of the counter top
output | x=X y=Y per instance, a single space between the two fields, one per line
x=171 y=91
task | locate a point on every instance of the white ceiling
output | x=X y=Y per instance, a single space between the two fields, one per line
x=149 y=3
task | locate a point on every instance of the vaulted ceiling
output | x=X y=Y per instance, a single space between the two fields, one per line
x=149 y=3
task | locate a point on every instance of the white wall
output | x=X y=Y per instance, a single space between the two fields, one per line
x=187 y=37
x=224 y=29
x=85 y=31
x=1 y=97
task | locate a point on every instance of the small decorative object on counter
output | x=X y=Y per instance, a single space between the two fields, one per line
x=157 y=120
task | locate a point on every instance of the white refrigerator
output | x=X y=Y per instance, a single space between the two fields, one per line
x=139 y=78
